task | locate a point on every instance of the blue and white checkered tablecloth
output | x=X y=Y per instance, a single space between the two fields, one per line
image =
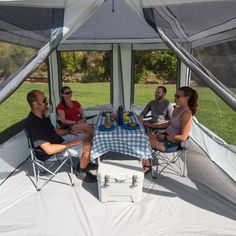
x=131 y=142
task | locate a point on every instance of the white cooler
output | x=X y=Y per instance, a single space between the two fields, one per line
x=120 y=180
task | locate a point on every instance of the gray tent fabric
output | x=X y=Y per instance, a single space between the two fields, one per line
x=212 y=144
x=121 y=25
x=35 y=27
x=8 y=86
x=28 y=26
x=172 y=36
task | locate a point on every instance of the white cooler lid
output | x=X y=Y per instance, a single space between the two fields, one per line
x=120 y=169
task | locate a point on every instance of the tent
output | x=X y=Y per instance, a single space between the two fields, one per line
x=122 y=26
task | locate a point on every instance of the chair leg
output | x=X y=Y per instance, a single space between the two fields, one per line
x=157 y=168
x=152 y=169
x=36 y=176
x=184 y=166
x=53 y=174
x=71 y=171
x=173 y=164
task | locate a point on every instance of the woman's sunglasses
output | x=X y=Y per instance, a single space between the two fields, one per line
x=67 y=93
x=178 y=96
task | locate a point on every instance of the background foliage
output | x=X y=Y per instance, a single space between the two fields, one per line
x=157 y=66
x=150 y=66
x=93 y=66
x=13 y=57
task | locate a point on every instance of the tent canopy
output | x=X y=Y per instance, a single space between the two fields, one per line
x=47 y=25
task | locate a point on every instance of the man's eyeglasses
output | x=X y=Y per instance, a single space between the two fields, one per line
x=67 y=93
x=178 y=96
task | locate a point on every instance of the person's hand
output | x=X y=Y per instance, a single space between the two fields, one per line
x=73 y=129
x=171 y=138
x=161 y=137
x=147 y=124
x=152 y=135
x=74 y=142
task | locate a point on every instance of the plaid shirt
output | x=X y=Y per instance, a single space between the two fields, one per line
x=131 y=142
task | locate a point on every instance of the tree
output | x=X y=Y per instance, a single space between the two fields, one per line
x=98 y=67
x=12 y=57
x=156 y=64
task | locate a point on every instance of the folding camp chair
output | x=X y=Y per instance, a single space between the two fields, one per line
x=48 y=168
x=171 y=161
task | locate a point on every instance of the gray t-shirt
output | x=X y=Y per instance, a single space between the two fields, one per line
x=158 y=108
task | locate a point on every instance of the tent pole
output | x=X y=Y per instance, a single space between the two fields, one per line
x=54 y=84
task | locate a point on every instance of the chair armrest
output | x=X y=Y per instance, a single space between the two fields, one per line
x=90 y=117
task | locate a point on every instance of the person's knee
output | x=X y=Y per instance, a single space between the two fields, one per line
x=85 y=156
x=87 y=146
x=88 y=138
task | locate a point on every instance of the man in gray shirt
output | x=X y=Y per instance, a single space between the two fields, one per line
x=160 y=107
x=161 y=110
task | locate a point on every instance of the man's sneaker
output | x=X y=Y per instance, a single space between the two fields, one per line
x=84 y=175
x=91 y=166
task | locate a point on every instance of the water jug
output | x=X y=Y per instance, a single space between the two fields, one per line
x=120 y=116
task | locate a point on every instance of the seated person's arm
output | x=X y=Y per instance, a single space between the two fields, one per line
x=62 y=132
x=170 y=110
x=51 y=149
x=156 y=125
x=186 y=121
x=141 y=117
x=63 y=119
x=145 y=112
x=81 y=112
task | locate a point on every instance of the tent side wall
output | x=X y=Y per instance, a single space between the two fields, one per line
x=12 y=153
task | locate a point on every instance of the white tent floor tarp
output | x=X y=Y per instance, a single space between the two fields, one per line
x=170 y=205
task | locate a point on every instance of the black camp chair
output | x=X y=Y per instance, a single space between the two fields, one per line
x=48 y=168
x=170 y=161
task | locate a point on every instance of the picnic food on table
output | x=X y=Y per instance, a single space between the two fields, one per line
x=107 y=126
x=132 y=124
x=126 y=117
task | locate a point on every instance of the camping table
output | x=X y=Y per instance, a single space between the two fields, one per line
x=130 y=142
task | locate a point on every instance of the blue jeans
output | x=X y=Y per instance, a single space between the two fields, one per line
x=171 y=146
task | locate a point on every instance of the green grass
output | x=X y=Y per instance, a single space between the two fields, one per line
x=91 y=94
x=212 y=112
x=146 y=92
x=216 y=115
x=15 y=108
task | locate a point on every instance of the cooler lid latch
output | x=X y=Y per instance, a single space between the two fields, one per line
x=134 y=180
x=106 y=180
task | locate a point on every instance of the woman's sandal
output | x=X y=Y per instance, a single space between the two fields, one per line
x=146 y=169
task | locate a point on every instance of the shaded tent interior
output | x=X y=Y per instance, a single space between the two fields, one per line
x=124 y=26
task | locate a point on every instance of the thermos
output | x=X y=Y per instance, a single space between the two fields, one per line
x=120 y=116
